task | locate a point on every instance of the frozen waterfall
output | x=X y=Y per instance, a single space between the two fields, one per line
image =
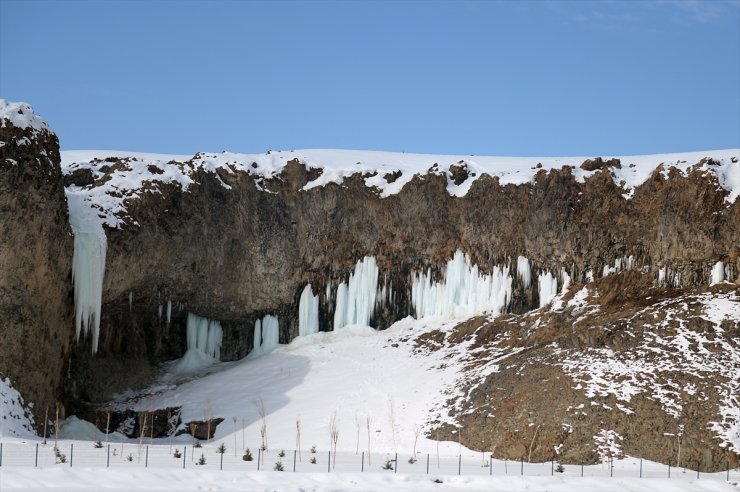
x=463 y=291
x=355 y=300
x=523 y=271
x=308 y=312
x=548 y=285
x=204 y=336
x=88 y=267
x=718 y=273
x=266 y=334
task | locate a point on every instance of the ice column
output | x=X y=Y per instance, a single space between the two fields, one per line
x=88 y=266
x=88 y=269
x=464 y=290
x=548 y=287
x=718 y=273
x=204 y=336
x=266 y=334
x=523 y=271
x=308 y=312
x=355 y=301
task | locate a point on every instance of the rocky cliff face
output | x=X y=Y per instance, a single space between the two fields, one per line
x=236 y=245
x=35 y=259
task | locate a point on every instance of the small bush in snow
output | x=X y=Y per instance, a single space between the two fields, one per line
x=98 y=444
x=130 y=457
x=281 y=454
x=313 y=449
x=201 y=460
x=313 y=460
x=221 y=449
x=560 y=468
x=412 y=460
x=177 y=453
x=278 y=466
x=197 y=444
x=247 y=455
x=388 y=465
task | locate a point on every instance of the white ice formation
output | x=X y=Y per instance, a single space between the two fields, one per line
x=548 y=287
x=718 y=273
x=308 y=312
x=355 y=300
x=523 y=271
x=463 y=291
x=266 y=334
x=204 y=336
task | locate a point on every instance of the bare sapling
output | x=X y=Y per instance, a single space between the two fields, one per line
x=193 y=427
x=531 y=445
x=107 y=426
x=358 y=425
x=262 y=411
x=233 y=419
x=122 y=432
x=417 y=431
x=209 y=419
x=298 y=437
x=46 y=422
x=368 y=424
x=56 y=429
x=334 y=436
x=170 y=429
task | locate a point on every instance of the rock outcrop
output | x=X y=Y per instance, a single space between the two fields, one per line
x=35 y=259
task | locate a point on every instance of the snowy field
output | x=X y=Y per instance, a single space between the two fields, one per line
x=345 y=376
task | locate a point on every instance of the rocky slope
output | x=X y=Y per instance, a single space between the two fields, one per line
x=616 y=367
x=35 y=259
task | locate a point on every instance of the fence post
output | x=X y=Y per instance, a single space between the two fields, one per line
x=184 y=453
x=581 y=466
x=37 y=455
x=611 y=467
x=522 y=466
x=669 y=468
x=107 y=461
x=427 y=463
x=506 y=466
x=259 y=454
x=71 y=454
x=698 y=465
x=146 y=460
x=728 y=462
x=640 y=467
x=294 y=455
x=459 y=463
x=1 y=454
x=552 y=468
x=328 y=464
x=222 y=462
x=363 y=462
x=490 y=465
x=395 y=468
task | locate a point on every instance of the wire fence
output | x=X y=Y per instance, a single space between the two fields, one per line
x=209 y=456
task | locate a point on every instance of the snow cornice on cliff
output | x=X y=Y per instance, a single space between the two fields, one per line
x=127 y=174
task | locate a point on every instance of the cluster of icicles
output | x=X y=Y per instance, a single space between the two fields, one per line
x=463 y=289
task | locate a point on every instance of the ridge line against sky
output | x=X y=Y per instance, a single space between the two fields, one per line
x=515 y=78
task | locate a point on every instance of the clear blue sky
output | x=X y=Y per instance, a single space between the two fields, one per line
x=497 y=78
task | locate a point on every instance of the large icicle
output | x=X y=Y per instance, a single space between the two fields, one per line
x=88 y=267
x=266 y=335
x=718 y=273
x=355 y=302
x=548 y=284
x=204 y=336
x=464 y=290
x=523 y=271
x=308 y=312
